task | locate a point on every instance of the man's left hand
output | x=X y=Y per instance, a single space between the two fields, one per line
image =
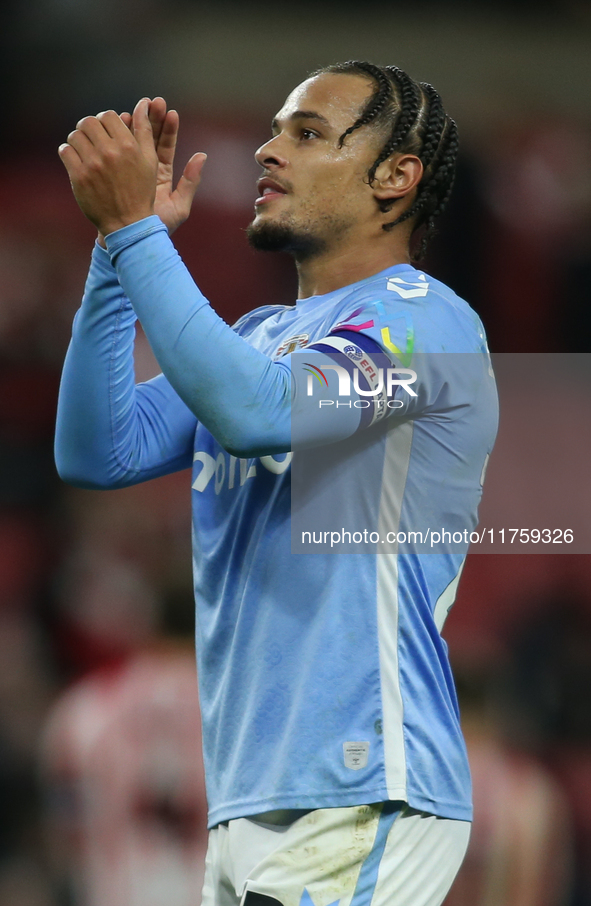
x=112 y=168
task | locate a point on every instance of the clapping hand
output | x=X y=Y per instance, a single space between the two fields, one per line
x=120 y=167
x=173 y=206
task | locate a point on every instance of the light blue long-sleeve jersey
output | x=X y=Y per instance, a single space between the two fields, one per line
x=324 y=680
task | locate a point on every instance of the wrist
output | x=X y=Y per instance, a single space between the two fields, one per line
x=111 y=226
x=135 y=232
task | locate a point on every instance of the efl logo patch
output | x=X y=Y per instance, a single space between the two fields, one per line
x=354 y=352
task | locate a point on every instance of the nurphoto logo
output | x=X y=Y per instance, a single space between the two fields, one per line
x=381 y=385
x=376 y=379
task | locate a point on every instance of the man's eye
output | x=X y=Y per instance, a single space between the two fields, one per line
x=308 y=133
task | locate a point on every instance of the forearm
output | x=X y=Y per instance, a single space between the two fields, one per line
x=238 y=393
x=110 y=433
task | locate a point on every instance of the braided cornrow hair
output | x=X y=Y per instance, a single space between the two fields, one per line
x=409 y=105
x=413 y=116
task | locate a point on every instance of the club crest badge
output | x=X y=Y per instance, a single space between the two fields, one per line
x=293 y=343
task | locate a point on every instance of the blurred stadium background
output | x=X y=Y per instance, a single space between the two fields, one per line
x=101 y=795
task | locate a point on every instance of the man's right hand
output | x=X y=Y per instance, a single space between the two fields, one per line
x=173 y=206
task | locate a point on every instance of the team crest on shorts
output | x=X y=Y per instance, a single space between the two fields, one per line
x=293 y=343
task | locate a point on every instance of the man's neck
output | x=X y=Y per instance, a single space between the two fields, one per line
x=342 y=266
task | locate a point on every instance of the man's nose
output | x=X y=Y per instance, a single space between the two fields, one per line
x=268 y=155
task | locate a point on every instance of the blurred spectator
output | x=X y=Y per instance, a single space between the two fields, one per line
x=520 y=851
x=549 y=687
x=122 y=763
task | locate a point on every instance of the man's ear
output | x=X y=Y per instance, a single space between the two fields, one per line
x=396 y=177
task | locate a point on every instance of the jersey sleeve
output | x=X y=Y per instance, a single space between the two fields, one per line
x=408 y=334
x=248 y=401
x=369 y=380
x=111 y=432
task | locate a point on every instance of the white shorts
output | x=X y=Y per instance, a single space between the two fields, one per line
x=385 y=854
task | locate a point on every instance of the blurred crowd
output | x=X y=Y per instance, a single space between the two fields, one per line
x=102 y=798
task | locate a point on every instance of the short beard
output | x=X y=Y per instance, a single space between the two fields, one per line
x=284 y=237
